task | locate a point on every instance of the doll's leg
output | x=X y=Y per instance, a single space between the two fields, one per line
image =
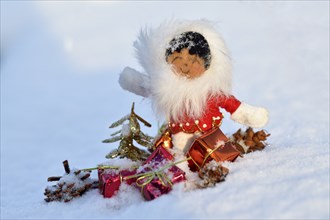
x=182 y=141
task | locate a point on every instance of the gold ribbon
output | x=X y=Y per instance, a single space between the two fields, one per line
x=207 y=156
x=210 y=152
x=160 y=174
x=101 y=167
x=148 y=177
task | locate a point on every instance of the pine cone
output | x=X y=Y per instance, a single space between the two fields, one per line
x=249 y=143
x=249 y=140
x=239 y=147
x=211 y=174
x=249 y=134
x=238 y=135
x=261 y=135
x=71 y=184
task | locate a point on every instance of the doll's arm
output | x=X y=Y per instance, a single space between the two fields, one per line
x=243 y=113
x=248 y=115
x=134 y=81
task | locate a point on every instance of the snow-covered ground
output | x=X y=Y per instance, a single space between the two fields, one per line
x=59 y=93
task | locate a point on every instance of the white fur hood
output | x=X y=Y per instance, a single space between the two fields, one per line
x=152 y=43
x=174 y=96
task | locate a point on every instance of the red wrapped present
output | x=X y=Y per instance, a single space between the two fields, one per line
x=154 y=179
x=212 y=145
x=158 y=175
x=159 y=154
x=110 y=180
x=153 y=186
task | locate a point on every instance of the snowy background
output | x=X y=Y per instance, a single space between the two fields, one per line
x=59 y=93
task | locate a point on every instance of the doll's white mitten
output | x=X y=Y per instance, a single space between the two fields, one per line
x=248 y=115
x=134 y=81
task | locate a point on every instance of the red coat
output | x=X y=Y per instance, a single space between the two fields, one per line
x=211 y=118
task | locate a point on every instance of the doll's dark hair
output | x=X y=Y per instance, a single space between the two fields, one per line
x=194 y=42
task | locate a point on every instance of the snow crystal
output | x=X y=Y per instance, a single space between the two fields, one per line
x=179 y=42
x=219 y=143
x=126 y=130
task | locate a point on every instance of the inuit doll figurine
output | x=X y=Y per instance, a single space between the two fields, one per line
x=187 y=76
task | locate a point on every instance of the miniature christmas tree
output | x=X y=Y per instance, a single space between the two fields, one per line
x=130 y=131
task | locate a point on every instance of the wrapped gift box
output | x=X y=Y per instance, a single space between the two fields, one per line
x=212 y=145
x=159 y=185
x=110 y=180
x=153 y=185
x=159 y=155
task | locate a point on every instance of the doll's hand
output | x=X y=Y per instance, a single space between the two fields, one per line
x=250 y=116
x=134 y=81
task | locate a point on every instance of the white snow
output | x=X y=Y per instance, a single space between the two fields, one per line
x=59 y=93
x=126 y=130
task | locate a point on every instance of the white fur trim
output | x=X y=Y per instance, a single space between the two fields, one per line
x=250 y=116
x=134 y=81
x=172 y=95
x=182 y=141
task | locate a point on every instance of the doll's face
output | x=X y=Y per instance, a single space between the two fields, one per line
x=187 y=65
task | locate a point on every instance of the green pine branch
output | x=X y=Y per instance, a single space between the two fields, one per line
x=119 y=122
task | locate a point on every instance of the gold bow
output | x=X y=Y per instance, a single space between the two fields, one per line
x=145 y=178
